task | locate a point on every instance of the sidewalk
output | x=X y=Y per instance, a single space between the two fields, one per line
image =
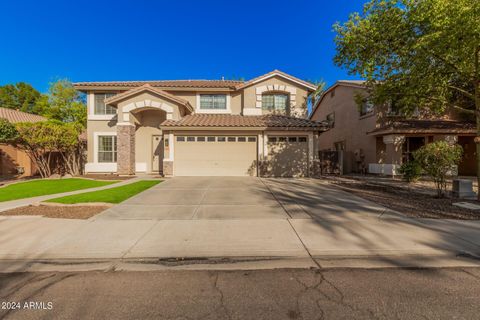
x=299 y=243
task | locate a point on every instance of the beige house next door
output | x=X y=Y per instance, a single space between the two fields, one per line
x=157 y=153
x=215 y=156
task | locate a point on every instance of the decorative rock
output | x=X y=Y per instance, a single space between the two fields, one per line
x=462 y=188
x=55 y=176
x=67 y=176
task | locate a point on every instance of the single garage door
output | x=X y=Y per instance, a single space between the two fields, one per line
x=287 y=156
x=215 y=156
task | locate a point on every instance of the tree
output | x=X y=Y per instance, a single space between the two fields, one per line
x=417 y=54
x=438 y=159
x=42 y=140
x=315 y=95
x=8 y=132
x=65 y=103
x=20 y=96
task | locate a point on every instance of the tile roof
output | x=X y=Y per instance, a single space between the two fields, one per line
x=214 y=84
x=14 y=116
x=227 y=120
x=426 y=126
x=147 y=87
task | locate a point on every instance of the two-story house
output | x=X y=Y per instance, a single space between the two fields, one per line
x=377 y=139
x=202 y=127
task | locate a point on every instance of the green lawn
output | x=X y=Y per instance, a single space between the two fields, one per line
x=112 y=195
x=43 y=187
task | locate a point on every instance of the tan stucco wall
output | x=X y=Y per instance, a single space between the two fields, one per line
x=349 y=126
x=11 y=158
x=191 y=97
x=299 y=107
x=97 y=126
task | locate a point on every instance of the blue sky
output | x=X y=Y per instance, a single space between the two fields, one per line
x=148 y=40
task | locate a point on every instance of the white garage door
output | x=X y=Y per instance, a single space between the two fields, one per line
x=215 y=156
x=287 y=156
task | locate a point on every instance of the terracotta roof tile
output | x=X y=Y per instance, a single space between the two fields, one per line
x=426 y=126
x=226 y=120
x=214 y=84
x=14 y=116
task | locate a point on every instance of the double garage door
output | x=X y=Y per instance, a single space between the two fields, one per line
x=215 y=156
x=237 y=156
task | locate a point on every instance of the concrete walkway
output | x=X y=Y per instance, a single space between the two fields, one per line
x=7 y=205
x=252 y=222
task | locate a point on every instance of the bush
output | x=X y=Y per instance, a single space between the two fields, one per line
x=411 y=171
x=437 y=159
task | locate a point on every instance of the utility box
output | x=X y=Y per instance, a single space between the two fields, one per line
x=463 y=188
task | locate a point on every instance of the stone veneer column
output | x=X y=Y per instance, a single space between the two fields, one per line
x=125 y=149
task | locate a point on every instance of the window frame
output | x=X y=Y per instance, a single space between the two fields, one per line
x=114 y=151
x=274 y=110
x=227 y=108
x=91 y=106
x=113 y=110
x=332 y=121
x=364 y=111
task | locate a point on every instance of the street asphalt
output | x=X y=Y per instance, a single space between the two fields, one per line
x=391 y=293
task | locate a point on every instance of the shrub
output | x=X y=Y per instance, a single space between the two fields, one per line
x=411 y=171
x=437 y=159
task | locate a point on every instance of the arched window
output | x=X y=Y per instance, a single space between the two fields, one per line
x=275 y=103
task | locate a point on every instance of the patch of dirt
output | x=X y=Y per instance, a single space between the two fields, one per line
x=410 y=203
x=63 y=212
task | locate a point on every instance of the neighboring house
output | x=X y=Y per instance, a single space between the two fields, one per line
x=378 y=139
x=15 y=162
x=202 y=127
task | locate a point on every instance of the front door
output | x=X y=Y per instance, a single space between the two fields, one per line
x=157 y=154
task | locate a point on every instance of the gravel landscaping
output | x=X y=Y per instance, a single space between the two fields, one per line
x=407 y=200
x=63 y=212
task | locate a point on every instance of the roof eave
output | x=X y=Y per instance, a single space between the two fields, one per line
x=278 y=73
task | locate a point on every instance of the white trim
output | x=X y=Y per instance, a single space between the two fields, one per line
x=95 y=146
x=171 y=140
x=140 y=167
x=260 y=146
x=94 y=117
x=282 y=76
x=291 y=91
x=125 y=124
x=91 y=109
x=216 y=111
x=100 y=167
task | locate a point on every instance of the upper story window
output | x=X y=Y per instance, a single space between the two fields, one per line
x=366 y=108
x=330 y=118
x=275 y=102
x=100 y=107
x=213 y=102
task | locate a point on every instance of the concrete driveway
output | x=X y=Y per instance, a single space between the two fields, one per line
x=233 y=198
x=300 y=222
